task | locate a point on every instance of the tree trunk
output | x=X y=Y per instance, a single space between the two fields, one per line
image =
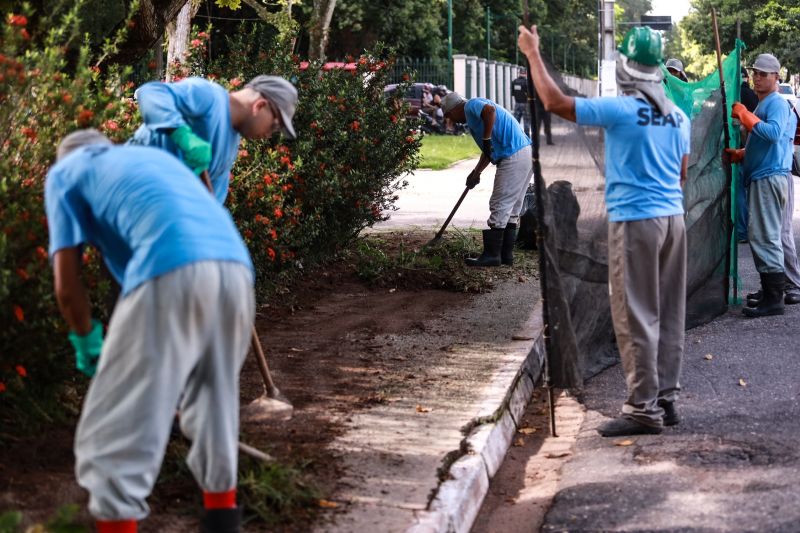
x=319 y=28
x=178 y=32
x=147 y=27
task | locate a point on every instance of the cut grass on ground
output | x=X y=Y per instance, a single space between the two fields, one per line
x=441 y=151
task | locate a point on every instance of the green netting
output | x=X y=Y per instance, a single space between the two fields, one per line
x=709 y=190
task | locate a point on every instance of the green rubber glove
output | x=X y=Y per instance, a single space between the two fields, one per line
x=87 y=348
x=196 y=151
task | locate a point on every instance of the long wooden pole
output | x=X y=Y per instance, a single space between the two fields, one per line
x=728 y=169
x=539 y=189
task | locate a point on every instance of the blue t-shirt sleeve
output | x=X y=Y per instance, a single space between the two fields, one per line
x=603 y=111
x=165 y=105
x=474 y=107
x=773 y=127
x=66 y=211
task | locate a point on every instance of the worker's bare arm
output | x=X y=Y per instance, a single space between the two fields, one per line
x=73 y=299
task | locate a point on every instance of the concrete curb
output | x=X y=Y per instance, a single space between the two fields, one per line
x=459 y=498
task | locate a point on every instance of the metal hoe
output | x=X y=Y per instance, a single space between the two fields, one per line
x=446 y=222
x=272 y=405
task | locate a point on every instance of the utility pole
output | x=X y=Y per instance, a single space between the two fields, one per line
x=608 y=77
x=488 y=33
x=450 y=30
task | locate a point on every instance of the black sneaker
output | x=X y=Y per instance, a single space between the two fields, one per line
x=622 y=426
x=671 y=417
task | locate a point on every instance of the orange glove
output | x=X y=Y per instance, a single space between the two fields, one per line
x=748 y=119
x=735 y=155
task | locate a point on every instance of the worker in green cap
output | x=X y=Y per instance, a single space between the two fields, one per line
x=647 y=151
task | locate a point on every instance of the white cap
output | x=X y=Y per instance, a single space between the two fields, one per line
x=450 y=101
x=79 y=138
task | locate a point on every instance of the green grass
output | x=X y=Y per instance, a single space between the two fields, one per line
x=441 y=151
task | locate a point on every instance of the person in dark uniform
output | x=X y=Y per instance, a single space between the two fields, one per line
x=519 y=90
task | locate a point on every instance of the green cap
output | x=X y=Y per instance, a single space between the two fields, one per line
x=642 y=45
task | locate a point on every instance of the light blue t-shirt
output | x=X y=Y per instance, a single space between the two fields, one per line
x=769 y=147
x=202 y=105
x=644 y=152
x=118 y=198
x=508 y=138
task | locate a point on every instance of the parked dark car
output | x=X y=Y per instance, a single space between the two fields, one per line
x=413 y=96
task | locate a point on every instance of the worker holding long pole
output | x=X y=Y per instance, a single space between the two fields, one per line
x=647 y=146
x=179 y=333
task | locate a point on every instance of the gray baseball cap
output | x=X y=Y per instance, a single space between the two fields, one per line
x=675 y=64
x=78 y=139
x=281 y=93
x=767 y=63
x=450 y=101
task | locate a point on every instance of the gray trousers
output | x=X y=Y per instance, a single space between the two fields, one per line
x=647 y=289
x=767 y=199
x=790 y=262
x=179 y=338
x=510 y=183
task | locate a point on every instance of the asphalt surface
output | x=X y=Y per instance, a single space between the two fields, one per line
x=732 y=464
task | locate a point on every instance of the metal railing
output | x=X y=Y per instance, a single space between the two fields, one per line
x=425 y=70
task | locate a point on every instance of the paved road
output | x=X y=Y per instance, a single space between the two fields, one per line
x=431 y=195
x=733 y=464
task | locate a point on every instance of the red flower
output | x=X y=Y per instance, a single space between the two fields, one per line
x=19 y=314
x=110 y=125
x=23 y=274
x=278 y=213
x=393 y=118
x=21 y=371
x=41 y=252
x=30 y=133
x=2 y=387
x=25 y=35
x=243 y=153
x=271 y=254
x=67 y=98
x=267 y=179
x=196 y=42
x=85 y=116
x=17 y=20
x=409 y=139
x=202 y=35
x=248 y=234
x=285 y=160
x=273 y=234
x=355 y=126
x=236 y=82
x=314 y=125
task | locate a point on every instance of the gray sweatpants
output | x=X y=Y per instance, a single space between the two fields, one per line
x=180 y=337
x=647 y=289
x=767 y=199
x=790 y=261
x=510 y=183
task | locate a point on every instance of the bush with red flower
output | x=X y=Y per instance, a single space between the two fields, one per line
x=43 y=96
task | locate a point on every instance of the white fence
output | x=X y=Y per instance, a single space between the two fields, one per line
x=477 y=77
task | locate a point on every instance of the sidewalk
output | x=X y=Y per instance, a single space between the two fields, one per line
x=422 y=462
x=733 y=462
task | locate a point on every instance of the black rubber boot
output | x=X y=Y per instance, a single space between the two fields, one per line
x=791 y=298
x=771 y=302
x=492 y=243
x=509 y=240
x=222 y=521
x=671 y=417
x=753 y=298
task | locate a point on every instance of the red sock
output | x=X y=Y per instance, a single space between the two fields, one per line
x=116 y=526
x=220 y=500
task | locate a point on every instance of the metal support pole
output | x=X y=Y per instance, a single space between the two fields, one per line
x=488 y=32
x=450 y=30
